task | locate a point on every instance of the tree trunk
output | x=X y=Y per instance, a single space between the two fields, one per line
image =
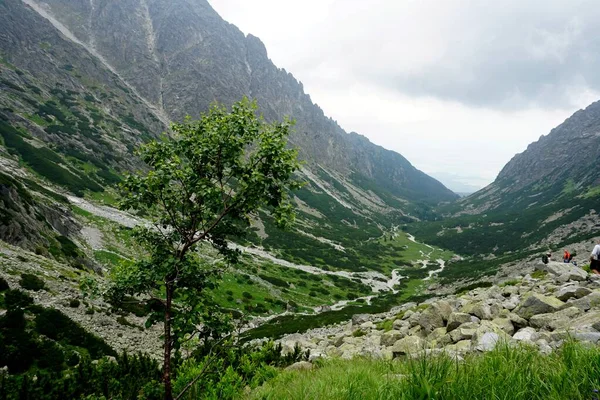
x=168 y=345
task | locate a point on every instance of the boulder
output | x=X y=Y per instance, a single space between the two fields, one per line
x=367 y=326
x=572 y=291
x=456 y=319
x=443 y=308
x=517 y=321
x=478 y=309
x=528 y=335
x=511 y=303
x=557 y=269
x=538 y=304
x=408 y=345
x=431 y=319
x=391 y=337
x=486 y=342
x=439 y=338
x=557 y=320
x=400 y=324
x=358 y=319
x=592 y=337
x=463 y=332
x=300 y=366
x=585 y=303
x=505 y=324
x=589 y=321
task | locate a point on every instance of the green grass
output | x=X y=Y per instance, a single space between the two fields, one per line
x=108 y=258
x=506 y=373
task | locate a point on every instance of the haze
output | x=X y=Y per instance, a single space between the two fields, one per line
x=457 y=87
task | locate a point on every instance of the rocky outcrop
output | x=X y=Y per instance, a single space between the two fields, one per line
x=477 y=321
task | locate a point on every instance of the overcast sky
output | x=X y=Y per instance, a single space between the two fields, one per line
x=458 y=87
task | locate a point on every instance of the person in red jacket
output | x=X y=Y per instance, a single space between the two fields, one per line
x=567 y=257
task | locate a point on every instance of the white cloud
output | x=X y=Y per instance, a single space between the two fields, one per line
x=456 y=86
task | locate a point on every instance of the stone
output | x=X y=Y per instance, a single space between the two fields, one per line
x=391 y=337
x=557 y=269
x=300 y=366
x=358 y=319
x=443 y=308
x=463 y=332
x=478 y=309
x=400 y=324
x=407 y=314
x=431 y=319
x=526 y=335
x=408 y=345
x=456 y=319
x=592 y=337
x=511 y=303
x=538 y=304
x=517 y=321
x=505 y=324
x=368 y=325
x=572 y=291
x=586 y=322
x=557 y=320
x=543 y=346
x=487 y=341
x=439 y=337
x=585 y=303
x=414 y=319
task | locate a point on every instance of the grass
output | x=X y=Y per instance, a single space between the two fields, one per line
x=506 y=373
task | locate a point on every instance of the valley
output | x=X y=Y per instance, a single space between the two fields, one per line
x=125 y=241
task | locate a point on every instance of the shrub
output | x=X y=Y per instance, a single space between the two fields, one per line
x=3 y=285
x=15 y=299
x=74 y=303
x=247 y=295
x=32 y=282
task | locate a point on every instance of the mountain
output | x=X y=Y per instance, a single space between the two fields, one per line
x=546 y=197
x=83 y=84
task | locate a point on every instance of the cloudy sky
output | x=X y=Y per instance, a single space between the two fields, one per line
x=456 y=86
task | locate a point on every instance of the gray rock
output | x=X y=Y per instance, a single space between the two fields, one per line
x=557 y=320
x=592 y=337
x=538 y=304
x=358 y=319
x=517 y=321
x=443 y=308
x=557 y=269
x=408 y=345
x=526 y=335
x=572 y=291
x=456 y=319
x=487 y=341
x=478 y=309
x=505 y=324
x=463 y=332
x=431 y=319
x=391 y=337
x=585 y=303
x=300 y=366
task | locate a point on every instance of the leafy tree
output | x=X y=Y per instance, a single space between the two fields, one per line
x=202 y=185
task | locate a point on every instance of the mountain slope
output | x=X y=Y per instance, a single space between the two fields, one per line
x=180 y=56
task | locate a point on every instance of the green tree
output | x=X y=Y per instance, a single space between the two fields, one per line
x=202 y=185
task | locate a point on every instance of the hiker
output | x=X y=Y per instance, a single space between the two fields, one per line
x=546 y=258
x=567 y=257
x=595 y=259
